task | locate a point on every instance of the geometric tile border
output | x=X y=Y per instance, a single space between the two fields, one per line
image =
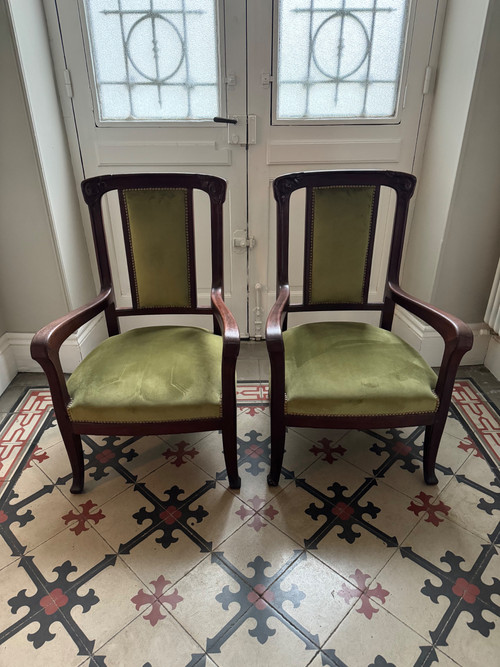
x=480 y=415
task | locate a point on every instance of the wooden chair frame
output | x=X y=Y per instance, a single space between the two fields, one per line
x=47 y=342
x=457 y=336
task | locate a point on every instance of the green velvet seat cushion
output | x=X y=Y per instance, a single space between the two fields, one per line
x=354 y=369
x=153 y=374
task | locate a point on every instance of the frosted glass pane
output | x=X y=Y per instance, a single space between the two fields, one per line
x=154 y=59
x=340 y=58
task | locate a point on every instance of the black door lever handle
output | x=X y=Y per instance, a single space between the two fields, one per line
x=218 y=119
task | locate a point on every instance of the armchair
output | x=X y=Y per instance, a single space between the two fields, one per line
x=350 y=374
x=154 y=379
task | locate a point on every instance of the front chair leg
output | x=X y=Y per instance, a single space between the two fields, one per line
x=432 y=438
x=73 y=444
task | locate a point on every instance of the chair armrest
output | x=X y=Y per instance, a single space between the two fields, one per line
x=227 y=323
x=274 y=324
x=47 y=342
x=451 y=328
x=458 y=337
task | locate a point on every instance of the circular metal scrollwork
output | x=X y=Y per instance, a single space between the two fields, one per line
x=155 y=28
x=335 y=57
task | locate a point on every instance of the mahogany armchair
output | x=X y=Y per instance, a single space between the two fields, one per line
x=348 y=374
x=154 y=379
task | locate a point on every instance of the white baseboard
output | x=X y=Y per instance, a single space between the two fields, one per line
x=492 y=360
x=8 y=368
x=430 y=344
x=15 y=354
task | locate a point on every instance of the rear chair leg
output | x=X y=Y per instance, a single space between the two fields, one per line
x=277 y=451
x=230 y=452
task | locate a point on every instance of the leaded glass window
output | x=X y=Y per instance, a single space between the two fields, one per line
x=154 y=59
x=340 y=58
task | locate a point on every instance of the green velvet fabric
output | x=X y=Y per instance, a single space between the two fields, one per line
x=340 y=237
x=153 y=374
x=158 y=235
x=354 y=369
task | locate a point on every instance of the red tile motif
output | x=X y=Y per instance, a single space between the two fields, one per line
x=364 y=593
x=20 y=428
x=479 y=415
x=84 y=517
x=424 y=503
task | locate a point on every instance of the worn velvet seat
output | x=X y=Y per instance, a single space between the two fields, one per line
x=352 y=374
x=169 y=378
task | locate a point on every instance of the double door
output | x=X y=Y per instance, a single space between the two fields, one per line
x=302 y=84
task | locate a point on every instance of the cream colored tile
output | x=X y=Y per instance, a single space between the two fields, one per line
x=15 y=580
x=50 y=436
x=141 y=642
x=469 y=647
x=61 y=650
x=6 y=557
x=246 y=548
x=322 y=475
x=47 y=510
x=275 y=640
x=360 y=639
x=333 y=435
x=57 y=466
x=454 y=427
x=432 y=542
x=189 y=478
x=247 y=369
x=84 y=551
x=119 y=525
x=201 y=613
x=307 y=593
x=114 y=587
x=404 y=580
x=477 y=470
x=367 y=553
x=290 y=513
x=463 y=501
x=221 y=519
x=149 y=559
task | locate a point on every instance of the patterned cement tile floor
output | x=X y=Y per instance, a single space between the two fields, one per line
x=352 y=560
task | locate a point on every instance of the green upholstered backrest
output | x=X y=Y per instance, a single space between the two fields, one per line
x=158 y=240
x=339 y=239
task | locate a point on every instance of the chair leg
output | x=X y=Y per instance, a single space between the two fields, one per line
x=230 y=452
x=432 y=438
x=277 y=450
x=73 y=444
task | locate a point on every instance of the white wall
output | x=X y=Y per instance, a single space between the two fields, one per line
x=32 y=45
x=472 y=241
x=31 y=290
x=444 y=152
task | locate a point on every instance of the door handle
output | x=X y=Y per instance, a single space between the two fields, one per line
x=218 y=119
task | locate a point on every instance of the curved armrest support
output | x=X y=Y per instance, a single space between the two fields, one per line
x=274 y=324
x=457 y=335
x=227 y=323
x=276 y=348
x=47 y=342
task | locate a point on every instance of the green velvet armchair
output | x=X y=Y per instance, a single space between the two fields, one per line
x=350 y=374
x=154 y=379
